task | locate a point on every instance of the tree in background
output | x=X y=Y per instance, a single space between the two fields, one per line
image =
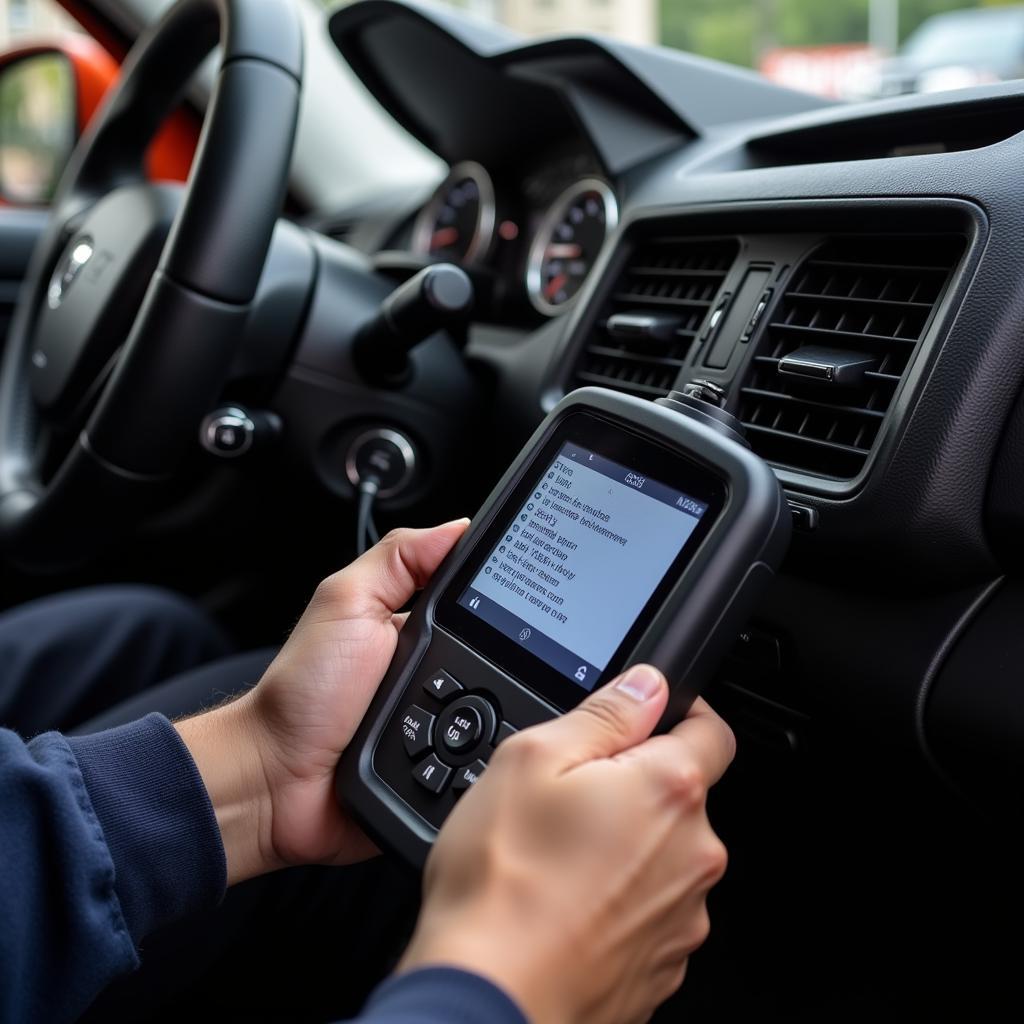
x=739 y=31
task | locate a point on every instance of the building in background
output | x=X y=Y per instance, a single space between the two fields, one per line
x=635 y=21
x=20 y=19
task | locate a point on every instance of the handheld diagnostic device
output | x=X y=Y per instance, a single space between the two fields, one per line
x=626 y=531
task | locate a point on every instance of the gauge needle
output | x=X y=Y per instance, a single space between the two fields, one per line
x=568 y=251
x=444 y=238
x=555 y=285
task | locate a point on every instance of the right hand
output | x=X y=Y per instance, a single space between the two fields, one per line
x=574 y=874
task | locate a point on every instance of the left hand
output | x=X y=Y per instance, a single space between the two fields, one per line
x=268 y=758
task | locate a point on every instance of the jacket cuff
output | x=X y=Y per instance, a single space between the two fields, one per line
x=157 y=821
x=442 y=995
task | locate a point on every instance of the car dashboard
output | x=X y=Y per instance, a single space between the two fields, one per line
x=848 y=275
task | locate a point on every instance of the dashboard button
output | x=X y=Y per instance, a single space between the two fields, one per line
x=417 y=730
x=228 y=432
x=442 y=685
x=505 y=730
x=755 y=317
x=467 y=776
x=432 y=774
x=804 y=517
x=716 y=318
x=461 y=727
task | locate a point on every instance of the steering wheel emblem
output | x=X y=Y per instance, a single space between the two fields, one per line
x=71 y=264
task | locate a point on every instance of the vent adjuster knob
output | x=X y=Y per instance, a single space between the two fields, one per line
x=657 y=328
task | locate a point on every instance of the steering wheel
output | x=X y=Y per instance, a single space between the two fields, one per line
x=126 y=390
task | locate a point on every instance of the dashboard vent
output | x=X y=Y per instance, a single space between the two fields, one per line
x=848 y=325
x=677 y=278
x=941 y=125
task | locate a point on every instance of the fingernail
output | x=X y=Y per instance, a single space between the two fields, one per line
x=464 y=521
x=641 y=683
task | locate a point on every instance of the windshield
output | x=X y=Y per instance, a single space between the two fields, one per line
x=840 y=49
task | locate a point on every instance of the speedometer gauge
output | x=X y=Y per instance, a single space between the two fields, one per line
x=567 y=244
x=457 y=225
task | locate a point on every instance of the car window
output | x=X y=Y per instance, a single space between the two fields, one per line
x=37 y=100
x=22 y=20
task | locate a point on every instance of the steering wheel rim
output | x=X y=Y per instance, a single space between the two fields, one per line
x=176 y=355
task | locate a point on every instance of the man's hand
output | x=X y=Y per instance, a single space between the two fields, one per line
x=574 y=874
x=268 y=759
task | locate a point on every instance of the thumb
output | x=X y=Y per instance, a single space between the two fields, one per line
x=615 y=718
x=389 y=574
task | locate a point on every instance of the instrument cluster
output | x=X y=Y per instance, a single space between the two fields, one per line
x=532 y=234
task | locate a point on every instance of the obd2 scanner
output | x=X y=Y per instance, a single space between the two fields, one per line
x=626 y=531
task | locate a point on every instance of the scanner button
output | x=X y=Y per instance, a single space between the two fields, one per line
x=432 y=774
x=442 y=686
x=467 y=776
x=417 y=730
x=460 y=728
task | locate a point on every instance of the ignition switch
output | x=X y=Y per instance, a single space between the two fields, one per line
x=384 y=455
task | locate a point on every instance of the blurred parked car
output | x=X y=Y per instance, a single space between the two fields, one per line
x=952 y=51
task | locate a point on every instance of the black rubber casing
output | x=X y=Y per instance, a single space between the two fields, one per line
x=687 y=636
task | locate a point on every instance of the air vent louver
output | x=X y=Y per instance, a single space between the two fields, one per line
x=870 y=298
x=677 y=277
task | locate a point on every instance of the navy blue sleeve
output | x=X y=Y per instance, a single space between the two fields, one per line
x=105 y=838
x=102 y=839
x=440 y=995
x=157 y=819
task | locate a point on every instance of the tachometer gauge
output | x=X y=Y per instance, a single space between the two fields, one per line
x=457 y=225
x=567 y=244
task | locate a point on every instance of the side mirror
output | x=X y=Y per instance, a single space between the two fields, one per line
x=38 y=125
